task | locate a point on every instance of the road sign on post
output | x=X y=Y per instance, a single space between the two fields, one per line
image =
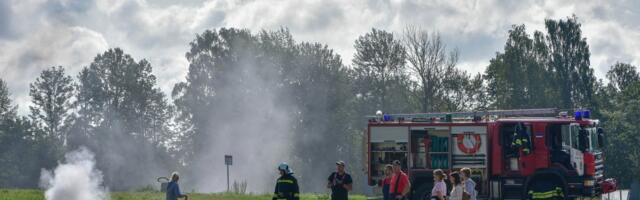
x=228 y=160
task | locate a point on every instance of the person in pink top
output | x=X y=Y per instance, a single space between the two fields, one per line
x=439 y=191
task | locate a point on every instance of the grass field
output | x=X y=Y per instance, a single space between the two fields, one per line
x=19 y=194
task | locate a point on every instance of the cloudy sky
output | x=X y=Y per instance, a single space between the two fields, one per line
x=37 y=34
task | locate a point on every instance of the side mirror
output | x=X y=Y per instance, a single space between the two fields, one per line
x=600 y=137
x=583 y=140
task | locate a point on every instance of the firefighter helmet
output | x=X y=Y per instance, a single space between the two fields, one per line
x=285 y=167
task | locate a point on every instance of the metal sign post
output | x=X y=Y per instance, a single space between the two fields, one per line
x=228 y=160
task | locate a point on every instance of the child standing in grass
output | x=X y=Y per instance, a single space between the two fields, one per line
x=173 y=189
x=386 y=182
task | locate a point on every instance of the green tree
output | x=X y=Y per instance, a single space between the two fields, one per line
x=618 y=100
x=428 y=59
x=18 y=161
x=462 y=92
x=52 y=98
x=568 y=62
x=115 y=91
x=19 y=157
x=379 y=64
x=214 y=59
x=623 y=152
x=122 y=112
x=7 y=111
x=7 y=114
x=622 y=75
x=516 y=77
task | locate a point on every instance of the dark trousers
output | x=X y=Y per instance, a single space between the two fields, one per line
x=339 y=197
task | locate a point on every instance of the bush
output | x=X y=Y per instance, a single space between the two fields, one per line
x=240 y=188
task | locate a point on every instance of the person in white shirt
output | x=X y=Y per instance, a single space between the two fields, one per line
x=456 y=184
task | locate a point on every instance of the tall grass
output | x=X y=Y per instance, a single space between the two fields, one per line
x=240 y=188
x=19 y=194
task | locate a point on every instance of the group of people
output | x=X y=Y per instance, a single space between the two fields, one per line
x=462 y=186
x=396 y=184
x=339 y=182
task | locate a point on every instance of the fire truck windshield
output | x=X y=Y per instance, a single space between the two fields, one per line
x=584 y=138
x=594 y=144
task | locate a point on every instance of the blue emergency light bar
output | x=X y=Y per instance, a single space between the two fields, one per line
x=586 y=114
x=582 y=114
x=387 y=117
x=578 y=115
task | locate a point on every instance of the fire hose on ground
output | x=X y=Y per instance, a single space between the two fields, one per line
x=164 y=181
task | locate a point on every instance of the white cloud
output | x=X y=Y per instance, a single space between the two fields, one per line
x=40 y=33
x=21 y=61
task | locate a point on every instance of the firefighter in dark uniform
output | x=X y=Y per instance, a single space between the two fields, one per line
x=521 y=139
x=287 y=185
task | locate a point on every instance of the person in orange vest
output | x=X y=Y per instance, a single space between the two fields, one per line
x=400 y=186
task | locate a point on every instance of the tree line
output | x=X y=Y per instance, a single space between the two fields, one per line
x=114 y=105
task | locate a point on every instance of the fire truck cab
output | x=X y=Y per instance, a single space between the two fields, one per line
x=513 y=154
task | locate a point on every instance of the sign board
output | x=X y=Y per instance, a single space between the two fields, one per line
x=228 y=160
x=382 y=134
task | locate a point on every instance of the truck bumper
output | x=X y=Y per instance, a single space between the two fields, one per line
x=608 y=185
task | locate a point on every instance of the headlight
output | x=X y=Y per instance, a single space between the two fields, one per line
x=589 y=183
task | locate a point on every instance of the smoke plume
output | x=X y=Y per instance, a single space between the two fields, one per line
x=252 y=125
x=74 y=179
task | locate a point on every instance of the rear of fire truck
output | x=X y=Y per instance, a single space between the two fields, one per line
x=424 y=142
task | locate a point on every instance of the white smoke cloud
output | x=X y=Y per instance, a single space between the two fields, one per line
x=252 y=126
x=74 y=179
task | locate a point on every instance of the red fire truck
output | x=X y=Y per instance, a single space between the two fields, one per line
x=514 y=154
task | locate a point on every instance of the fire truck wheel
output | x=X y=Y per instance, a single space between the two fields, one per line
x=423 y=192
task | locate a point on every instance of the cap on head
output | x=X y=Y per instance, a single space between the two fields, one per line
x=341 y=163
